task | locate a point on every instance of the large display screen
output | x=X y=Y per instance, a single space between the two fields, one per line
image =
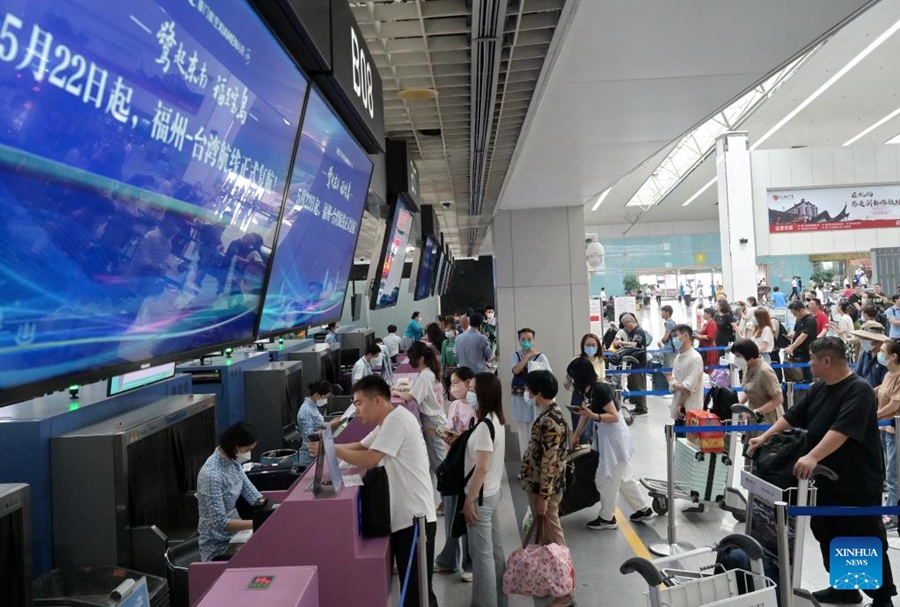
x=427 y=261
x=441 y=274
x=320 y=226
x=144 y=152
x=386 y=286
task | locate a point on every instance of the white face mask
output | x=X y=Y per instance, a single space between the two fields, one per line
x=321 y=402
x=448 y=334
x=740 y=363
x=529 y=399
x=242 y=458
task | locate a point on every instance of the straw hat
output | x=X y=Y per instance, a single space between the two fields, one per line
x=871 y=331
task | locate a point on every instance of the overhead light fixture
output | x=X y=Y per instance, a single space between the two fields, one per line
x=417 y=93
x=600 y=199
x=700 y=191
x=873 y=127
x=829 y=83
x=893 y=140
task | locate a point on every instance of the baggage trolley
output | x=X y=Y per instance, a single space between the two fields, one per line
x=781 y=537
x=732 y=588
x=619 y=383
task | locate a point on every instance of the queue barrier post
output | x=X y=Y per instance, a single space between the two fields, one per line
x=672 y=547
x=785 y=584
x=422 y=561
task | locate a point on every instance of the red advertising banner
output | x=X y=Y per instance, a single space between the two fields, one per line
x=819 y=209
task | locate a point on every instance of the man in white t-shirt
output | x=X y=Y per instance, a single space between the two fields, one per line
x=397 y=444
x=392 y=343
x=363 y=366
x=687 y=373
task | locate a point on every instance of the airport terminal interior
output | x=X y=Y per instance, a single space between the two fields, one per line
x=293 y=290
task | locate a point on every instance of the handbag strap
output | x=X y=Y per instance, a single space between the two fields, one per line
x=538 y=523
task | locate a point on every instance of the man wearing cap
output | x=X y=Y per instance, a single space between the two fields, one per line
x=893 y=317
x=633 y=337
x=867 y=366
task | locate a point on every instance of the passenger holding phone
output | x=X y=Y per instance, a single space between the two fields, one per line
x=612 y=440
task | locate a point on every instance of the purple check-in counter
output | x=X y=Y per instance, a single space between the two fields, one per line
x=265 y=587
x=308 y=531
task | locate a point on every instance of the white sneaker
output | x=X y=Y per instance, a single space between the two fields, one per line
x=466 y=576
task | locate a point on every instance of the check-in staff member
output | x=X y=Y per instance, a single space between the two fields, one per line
x=363 y=366
x=310 y=418
x=220 y=482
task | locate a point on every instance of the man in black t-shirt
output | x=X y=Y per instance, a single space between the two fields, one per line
x=805 y=331
x=856 y=302
x=842 y=432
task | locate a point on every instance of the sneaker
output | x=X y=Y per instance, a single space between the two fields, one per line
x=642 y=516
x=466 y=576
x=838 y=597
x=438 y=568
x=600 y=523
x=440 y=509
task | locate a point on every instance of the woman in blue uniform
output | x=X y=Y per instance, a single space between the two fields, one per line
x=220 y=482
x=310 y=418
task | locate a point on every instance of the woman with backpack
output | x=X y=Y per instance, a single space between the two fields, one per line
x=726 y=324
x=485 y=454
x=459 y=418
x=524 y=360
x=612 y=440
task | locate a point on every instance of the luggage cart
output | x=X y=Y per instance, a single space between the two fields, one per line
x=732 y=588
x=781 y=537
x=618 y=382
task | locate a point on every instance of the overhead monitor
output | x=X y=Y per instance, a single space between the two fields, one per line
x=386 y=283
x=140 y=378
x=448 y=277
x=438 y=264
x=144 y=152
x=425 y=274
x=320 y=225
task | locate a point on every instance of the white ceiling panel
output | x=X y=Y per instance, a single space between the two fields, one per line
x=644 y=73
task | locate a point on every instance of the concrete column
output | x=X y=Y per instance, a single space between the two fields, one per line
x=737 y=236
x=542 y=283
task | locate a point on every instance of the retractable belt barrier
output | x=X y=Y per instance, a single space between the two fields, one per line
x=747 y=428
x=842 y=510
x=409 y=564
x=626 y=393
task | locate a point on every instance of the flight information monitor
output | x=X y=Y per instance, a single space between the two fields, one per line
x=144 y=152
x=427 y=261
x=386 y=286
x=320 y=226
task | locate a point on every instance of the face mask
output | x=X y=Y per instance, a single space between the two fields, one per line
x=490 y=314
x=676 y=341
x=529 y=399
x=882 y=359
x=740 y=363
x=448 y=334
x=458 y=392
x=242 y=458
x=322 y=402
x=865 y=300
x=472 y=399
x=526 y=345
x=866 y=346
x=590 y=350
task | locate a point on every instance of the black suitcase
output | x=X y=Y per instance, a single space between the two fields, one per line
x=581 y=492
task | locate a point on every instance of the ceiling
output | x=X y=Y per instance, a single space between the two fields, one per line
x=427 y=44
x=869 y=92
x=632 y=77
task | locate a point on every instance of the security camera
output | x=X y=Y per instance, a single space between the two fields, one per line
x=446 y=205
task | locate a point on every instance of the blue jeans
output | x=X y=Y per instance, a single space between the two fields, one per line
x=889 y=444
x=487 y=555
x=449 y=556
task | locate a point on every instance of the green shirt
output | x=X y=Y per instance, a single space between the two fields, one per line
x=448 y=356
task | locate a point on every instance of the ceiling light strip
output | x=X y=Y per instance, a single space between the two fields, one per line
x=700 y=191
x=872 y=128
x=600 y=199
x=829 y=83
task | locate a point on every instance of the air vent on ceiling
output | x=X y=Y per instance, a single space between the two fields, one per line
x=417 y=94
x=430 y=132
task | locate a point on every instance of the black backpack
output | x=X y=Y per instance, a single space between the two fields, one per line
x=774 y=461
x=719 y=400
x=451 y=474
x=781 y=340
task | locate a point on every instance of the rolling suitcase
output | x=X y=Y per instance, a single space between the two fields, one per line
x=702 y=475
x=580 y=492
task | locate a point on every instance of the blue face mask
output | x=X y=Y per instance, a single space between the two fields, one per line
x=590 y=350
x=529 y=399
x=526 y=344
x=883 y=359
x=676 y=341
x=865 y=346
x=472 y=399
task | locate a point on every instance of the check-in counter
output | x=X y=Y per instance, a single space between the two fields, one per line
x=265 y=587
